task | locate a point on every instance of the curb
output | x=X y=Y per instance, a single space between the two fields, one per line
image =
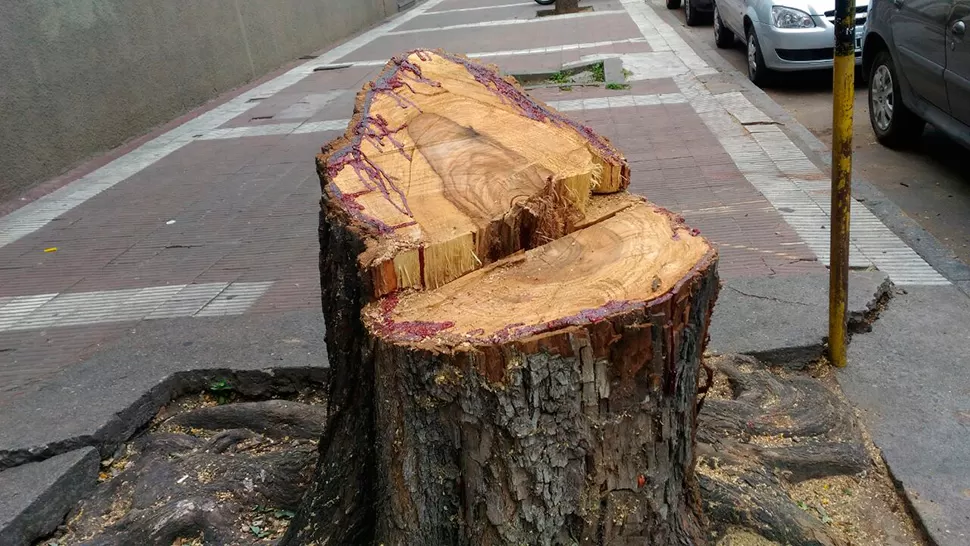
x=128 y=421
x=36 y=497
x=40 y=484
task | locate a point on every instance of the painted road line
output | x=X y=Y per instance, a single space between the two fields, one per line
x=37 y=214
x=42 y=311
x=506 y=22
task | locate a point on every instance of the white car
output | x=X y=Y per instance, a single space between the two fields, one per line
x=783 y=35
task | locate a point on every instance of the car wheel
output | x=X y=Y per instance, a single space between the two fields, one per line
x=545 y=2
x=673 y=4
x=691 y=15
x=723 y=37
x=757 y=71
x=895 y=125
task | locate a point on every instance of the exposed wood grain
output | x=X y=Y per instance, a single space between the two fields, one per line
x=515 y=341
x=449 y=166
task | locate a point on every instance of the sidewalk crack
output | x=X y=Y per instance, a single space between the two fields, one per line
x=769 y=298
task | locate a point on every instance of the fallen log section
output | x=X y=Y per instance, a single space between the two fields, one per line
x=515 y=341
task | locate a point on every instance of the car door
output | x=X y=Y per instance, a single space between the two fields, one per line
x=730 y=12
x=957 y=74
x=919 y=34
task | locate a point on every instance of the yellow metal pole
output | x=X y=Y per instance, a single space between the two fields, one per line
x=843 y=99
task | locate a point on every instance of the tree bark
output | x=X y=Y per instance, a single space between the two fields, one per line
x=545 y=393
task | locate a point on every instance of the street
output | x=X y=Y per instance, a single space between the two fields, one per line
x=930 y=183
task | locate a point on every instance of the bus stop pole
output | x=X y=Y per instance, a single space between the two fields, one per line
x=843 y=99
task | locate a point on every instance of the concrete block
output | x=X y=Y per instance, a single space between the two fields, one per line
x=35 y=497
x=784 y=319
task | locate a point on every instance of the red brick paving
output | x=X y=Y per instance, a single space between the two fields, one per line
x=503 y=38
x=348 y=79
x=246 y=209
x=434 y=19
x=462 y=4
x=645 y=87
x=553 y=62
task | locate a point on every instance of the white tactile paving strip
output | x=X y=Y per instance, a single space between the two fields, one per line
x=506 y=22
x=763 y=153
x=479 y=8
x=621 y=101
x=41 y=311
x=519 y=52
x=309 y=105
x=276 y=129
x=37 y=214
x=662 y=37
x=771 y=162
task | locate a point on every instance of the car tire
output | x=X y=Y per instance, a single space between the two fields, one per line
x=758 y=72
x=545 y=2
x=895 y=125
x=723 y=37
x=673 y=4
x=691 y=16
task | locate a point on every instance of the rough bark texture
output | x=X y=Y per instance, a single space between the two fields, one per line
x=583 y=435
x=578 y=428
x=811 y=433
x=339 y=506
x=227 y=474
x=586 y=438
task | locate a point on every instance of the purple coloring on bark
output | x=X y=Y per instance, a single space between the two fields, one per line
x=415 y=330
x=376 y=130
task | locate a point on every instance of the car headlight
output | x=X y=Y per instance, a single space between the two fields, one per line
x=783 y=17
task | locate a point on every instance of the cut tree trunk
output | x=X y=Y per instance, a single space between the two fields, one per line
x=514 y=340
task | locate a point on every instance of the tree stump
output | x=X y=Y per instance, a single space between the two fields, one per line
x=515 y=341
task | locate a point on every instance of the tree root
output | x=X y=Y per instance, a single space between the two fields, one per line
x=231 y=474
x=767 y=433
x=188 y=478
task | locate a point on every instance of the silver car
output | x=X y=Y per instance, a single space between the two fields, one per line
x=917 y=55
x=783 y=35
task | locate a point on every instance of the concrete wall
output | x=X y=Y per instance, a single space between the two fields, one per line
x=79 y=77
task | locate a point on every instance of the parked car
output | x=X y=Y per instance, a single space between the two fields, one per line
x=917 y=55
x=696 y=12
x=783 y=35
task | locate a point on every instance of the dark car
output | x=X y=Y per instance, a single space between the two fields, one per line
x=696 y=12
x=917 y=56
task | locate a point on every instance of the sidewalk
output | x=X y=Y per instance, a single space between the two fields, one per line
x=197 y=251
